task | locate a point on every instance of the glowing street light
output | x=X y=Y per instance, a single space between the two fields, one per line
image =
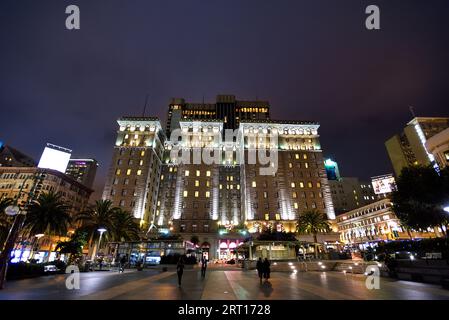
x=446 y=209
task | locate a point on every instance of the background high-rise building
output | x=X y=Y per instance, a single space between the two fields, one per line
x=332 y=171
x=226 y=108
x=82 y=170
x=409 y=147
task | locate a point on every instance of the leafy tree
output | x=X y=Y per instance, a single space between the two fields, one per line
x=422 y=193
x=73 y=247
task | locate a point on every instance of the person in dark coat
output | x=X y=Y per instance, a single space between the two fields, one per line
x=180 y=270
x=203 y=266
x=266 y=269
x=259 y=267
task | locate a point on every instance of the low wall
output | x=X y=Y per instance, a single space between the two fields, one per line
x=430 y=271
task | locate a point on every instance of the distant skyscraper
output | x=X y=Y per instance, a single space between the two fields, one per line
x=332 y=171
x=226 y=108
x=82 y=170
x=409 y=147
x=11 y=157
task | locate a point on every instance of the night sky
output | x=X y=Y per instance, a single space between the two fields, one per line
x=313 y=60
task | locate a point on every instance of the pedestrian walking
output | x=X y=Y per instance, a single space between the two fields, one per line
x=123 y=261
x=259 y=267
x=180 y=270
x=203 y=266
x=266 y=269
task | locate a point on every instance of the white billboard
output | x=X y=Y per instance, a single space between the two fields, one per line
x=55 y=157
x=383 y=184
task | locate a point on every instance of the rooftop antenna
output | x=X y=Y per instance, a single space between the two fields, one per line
x=145 y=106
x=412 y=111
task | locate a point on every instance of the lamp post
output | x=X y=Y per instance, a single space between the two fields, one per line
x=97 y=248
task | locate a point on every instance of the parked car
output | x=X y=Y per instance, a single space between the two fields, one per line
x=50 y=269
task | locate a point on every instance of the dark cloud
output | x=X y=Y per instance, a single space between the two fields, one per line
x=310 y=59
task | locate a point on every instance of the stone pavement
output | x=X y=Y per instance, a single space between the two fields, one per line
x=221 y=284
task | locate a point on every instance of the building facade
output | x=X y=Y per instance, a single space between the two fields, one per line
x=133 y=179
x=17 y=182
x=376 y=222
x=409 y=147
x=218 y=179
x=349 y=193
x=11 y=157
x=82 y=170
x=438 y=146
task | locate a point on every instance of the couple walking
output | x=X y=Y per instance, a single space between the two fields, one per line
x=263 y=269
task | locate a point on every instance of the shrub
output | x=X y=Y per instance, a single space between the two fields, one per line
x=23 y=270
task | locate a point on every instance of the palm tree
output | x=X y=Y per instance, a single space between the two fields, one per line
x=124 y=226
x=313 y=222
x=48 y=215
x=5 y=221
x=100 y=215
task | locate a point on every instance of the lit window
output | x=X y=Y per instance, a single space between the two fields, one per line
x=295 y=205
x=304 y=156
x=197 y=183
x=139 y=172
x=293 y=185
x=278 y=216
x=265 y=194
x=318 y=185
x=306 y=165
x=170 y=169
x=197 y=173
x=187 y=173
x=208 y=173
x=207 y=194
x=294 y=195
x=185 y=193
x=141 y=162
x=254 y=184
x=238 y=187
x=267 y=216
x=128 y=172
x=290 y=165
x=142 y=153
x=221 y=186
x=297 y=156
x=162 y=177
x=117 y=172
x=309 y=184
x=197 y=193
x=301 y=184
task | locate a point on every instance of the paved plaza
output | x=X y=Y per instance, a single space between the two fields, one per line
x=219 y=283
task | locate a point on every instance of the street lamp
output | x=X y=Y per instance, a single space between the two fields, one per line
x=101 y=230
x=446 y=208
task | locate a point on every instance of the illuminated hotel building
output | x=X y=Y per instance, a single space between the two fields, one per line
x=216 y=199
x=133 y=179
x=409 y=147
